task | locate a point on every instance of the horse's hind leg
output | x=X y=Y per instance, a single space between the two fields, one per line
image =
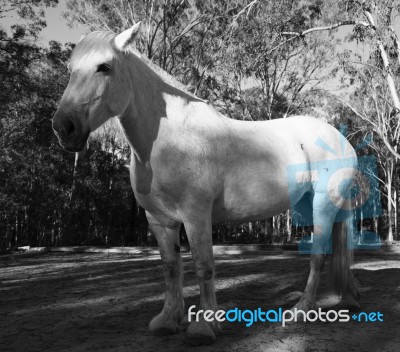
x=167 y=322
x=200 y=239
x=323 y=217
x=342 y=258
x=350 y=298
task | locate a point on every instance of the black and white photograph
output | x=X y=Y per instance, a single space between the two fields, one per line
x=200 y=175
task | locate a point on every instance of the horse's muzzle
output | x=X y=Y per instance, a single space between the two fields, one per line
x=76 y=146
x=70 y=133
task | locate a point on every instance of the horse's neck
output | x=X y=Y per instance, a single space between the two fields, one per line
x=148 y=105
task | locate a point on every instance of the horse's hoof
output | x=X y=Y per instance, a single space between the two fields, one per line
x=161 y=325
x=350 y=304
x=199 y=333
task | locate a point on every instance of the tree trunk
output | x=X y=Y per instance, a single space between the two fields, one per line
x=288 y=226
x=268 y=228
x=16 y=230
x=277 y=227
x=396 y=184
x=395 y=221
x=26 y=232
x=8 y=232
x=389 y=171
x=397 y=215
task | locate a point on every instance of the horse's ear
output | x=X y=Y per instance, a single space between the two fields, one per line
x=127 y=38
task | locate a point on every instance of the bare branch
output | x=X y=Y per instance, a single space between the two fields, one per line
x=377 y=128
x=389 y=75
x=327 y=28
x=395 y=41
x=247 y=9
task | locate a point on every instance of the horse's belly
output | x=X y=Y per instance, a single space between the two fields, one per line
x=254 y=197
x=248 y=212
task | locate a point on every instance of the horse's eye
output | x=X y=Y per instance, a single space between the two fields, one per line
x=103 y=68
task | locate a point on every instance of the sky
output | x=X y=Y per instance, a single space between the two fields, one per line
x=57 y=28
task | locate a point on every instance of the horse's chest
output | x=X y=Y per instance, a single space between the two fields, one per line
x=152 y=192
x=141 y=175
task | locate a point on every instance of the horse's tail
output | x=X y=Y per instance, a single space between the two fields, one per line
x=342 y=247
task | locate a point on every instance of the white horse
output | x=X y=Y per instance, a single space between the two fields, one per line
x=192 y=165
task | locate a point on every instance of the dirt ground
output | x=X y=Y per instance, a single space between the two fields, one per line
x=104 y=302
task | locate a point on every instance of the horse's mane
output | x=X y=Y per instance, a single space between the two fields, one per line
x=166 y=77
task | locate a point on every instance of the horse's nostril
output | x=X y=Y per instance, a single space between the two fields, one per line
x=69 y=128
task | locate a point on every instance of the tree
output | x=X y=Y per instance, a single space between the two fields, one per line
x=372 y=21
x=372 y=104
x=165 y=25
x=281 y=69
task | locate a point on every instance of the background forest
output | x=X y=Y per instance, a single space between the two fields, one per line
x=253 y=60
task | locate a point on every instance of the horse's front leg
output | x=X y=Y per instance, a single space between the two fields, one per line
x=200 y=239
x=167 y=321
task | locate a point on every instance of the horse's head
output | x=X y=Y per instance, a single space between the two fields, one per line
x=99 y=87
